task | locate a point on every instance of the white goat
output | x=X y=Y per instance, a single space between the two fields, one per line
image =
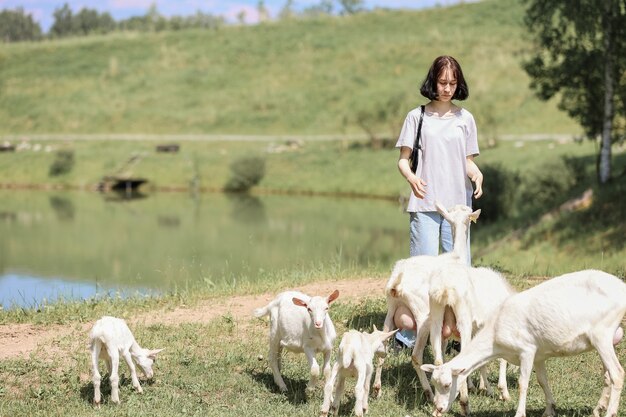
x=111 y=338
x=563 y=316
x=354 y=358
x=471 y=295
x=300 y=323
x=409 y=283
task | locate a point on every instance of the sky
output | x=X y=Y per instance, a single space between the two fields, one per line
x=42 y=10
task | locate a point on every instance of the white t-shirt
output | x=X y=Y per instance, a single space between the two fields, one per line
x=445 y=143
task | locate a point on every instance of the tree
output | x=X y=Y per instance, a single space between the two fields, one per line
x=264 y=14
x=63 y=22
x=351 y=6
x=581 y=54
x=287 y=11
x=16 y=26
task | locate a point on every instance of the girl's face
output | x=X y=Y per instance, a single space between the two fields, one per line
x=446 y=85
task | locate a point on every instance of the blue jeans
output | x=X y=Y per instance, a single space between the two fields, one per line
x=428 y=230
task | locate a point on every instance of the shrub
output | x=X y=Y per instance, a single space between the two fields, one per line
x=62 y=163
x=546 y=187
x=245 y=173
x=499 y=192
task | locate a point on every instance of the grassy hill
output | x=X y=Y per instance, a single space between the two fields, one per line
x=304 y=76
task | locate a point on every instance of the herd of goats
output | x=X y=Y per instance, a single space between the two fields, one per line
x=442 y=297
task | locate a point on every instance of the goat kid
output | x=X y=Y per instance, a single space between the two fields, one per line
x=111 y=338
x=564 y=316
x=300 y=323
x=354 y=358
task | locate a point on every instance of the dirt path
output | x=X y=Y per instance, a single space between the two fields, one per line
x=20 y=340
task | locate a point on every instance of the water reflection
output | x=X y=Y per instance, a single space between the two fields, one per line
x=71 y=241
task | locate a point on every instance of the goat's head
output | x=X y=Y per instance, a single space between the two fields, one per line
x=445 y=380
x=378 y=338
x=317 y=307
x=459 y=216
x=146 y=359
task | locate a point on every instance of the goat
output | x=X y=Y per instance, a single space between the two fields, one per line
x=563 y=316
x=354 y=358
x=115 y=337
x=470 y=295
x=407 y=289
x=300 y=323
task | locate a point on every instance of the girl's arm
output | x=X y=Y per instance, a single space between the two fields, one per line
x=404 y=165
x=475 y=175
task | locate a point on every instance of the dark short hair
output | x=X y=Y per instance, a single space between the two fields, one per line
x=429 y=86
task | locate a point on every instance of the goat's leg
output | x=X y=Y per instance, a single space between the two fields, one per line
x=542 y=378
x=483 y=384
x=616 y=374
x=326 y=366
x=339 y=388
x=417 y=358
x=328 y=390
x=388 y=326
x=525 y=369
x=314 y=367
x=366 y=391
x=114 y=376
x=603 y=402
x=464 y=325
x=97 y=378
x=274 y=361
x=436 y=326
x=502 y=384
x=359 y=388
x=133 y=371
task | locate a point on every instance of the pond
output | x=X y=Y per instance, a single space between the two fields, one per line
x=77 y=245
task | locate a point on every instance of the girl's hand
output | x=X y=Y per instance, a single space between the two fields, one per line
x=418 y=186
x=477 y=179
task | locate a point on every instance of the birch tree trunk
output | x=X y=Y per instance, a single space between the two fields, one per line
x=604 y=163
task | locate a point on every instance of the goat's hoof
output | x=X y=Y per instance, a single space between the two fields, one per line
x=465 y=409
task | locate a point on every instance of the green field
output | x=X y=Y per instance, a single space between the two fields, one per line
x=302 y=77
x=219 y=369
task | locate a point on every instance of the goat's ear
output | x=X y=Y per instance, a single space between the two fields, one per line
x=457 y=371
x=389 y=334
x=440 y=208
x=152 y=353
x=474 y=216
x=299 y=302
x=333 y=296
x=428 y=367
x=374 y=326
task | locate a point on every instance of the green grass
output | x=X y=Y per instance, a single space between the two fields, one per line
x=307 y=76
x=220 y=369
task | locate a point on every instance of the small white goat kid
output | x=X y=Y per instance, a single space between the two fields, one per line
x=354 y=358
x=409 y=283
x=111 y=338
x=300 y=323
x=564 y=316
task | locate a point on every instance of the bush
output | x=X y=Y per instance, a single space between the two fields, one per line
x=246 y=173
x=500 y=187
x=62 y=164
x=548 y=186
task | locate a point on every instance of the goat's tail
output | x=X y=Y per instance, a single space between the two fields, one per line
x=264 y=311
x=345 y=355
x=393 y=288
